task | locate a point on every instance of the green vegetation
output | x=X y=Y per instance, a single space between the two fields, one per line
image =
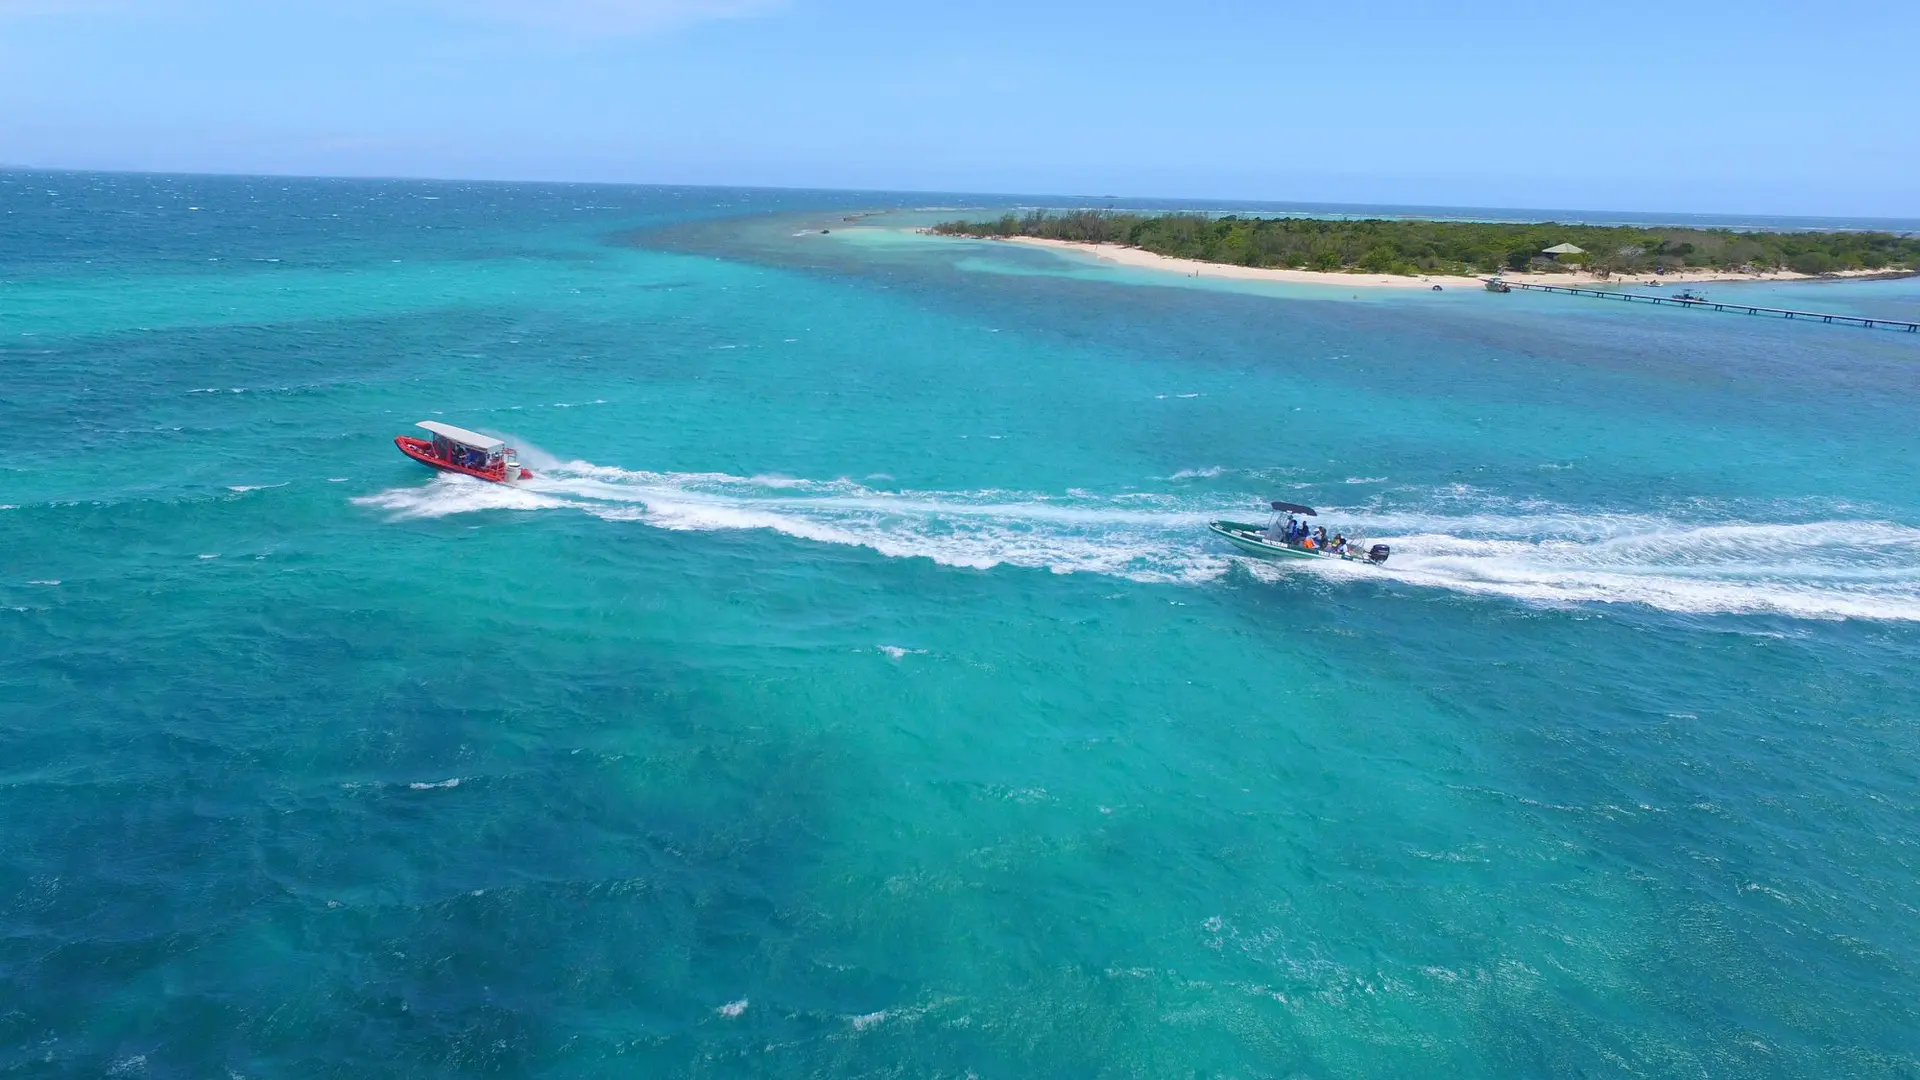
x=1423 y=247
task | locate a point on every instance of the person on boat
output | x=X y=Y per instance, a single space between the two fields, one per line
x=1339 y=544
x=1320 y=536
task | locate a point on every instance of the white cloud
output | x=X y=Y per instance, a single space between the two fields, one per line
x=604 y=16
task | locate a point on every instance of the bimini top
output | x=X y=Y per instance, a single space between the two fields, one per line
x=1285 y=508
x=461 y=435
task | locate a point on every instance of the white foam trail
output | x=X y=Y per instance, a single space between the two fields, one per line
x=449 y=493
x=1132 y=536
x=1825 y=569
x=1472 y=543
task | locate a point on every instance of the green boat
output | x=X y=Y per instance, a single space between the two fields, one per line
x=1286 y=539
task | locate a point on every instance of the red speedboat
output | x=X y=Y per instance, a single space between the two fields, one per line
x=458 y=450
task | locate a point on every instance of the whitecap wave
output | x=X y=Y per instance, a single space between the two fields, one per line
x=1462 y=540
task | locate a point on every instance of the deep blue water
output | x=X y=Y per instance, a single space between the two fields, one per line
x=856 y=691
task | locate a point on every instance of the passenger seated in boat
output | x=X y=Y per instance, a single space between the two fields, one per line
x=1339 y=544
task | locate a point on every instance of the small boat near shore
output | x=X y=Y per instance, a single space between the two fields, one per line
x=457 y=450
x=1292 y=538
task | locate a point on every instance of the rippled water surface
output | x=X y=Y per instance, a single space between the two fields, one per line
x=856 y=690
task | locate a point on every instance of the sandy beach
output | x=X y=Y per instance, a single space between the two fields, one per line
x=1147 y=260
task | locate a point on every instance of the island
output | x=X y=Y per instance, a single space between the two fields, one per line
x=1393 y=251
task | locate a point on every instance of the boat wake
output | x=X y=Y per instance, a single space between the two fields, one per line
x=1827 y=569
x=1815 y=569
x=1135 y=536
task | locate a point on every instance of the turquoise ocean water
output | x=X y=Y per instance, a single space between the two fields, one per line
x=856 y=692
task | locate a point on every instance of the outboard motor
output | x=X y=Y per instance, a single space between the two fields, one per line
x=1377 y=554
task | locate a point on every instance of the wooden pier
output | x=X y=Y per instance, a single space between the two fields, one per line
x=1719 y=305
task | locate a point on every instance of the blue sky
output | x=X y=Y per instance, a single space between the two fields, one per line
x=1802 y=108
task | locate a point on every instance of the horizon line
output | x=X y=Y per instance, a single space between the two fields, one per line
x=1013 y=197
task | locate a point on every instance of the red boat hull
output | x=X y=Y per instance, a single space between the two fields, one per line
x=421 y=450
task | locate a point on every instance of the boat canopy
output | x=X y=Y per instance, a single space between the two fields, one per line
x=461 y=435
x=1293 y=508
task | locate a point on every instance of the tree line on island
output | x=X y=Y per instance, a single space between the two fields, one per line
x=1393 y=246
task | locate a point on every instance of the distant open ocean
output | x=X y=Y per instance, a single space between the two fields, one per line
x=856 y=691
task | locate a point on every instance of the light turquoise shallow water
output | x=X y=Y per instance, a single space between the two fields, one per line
x=856 y=691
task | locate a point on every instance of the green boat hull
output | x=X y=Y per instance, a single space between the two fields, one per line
x=1253 y=540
